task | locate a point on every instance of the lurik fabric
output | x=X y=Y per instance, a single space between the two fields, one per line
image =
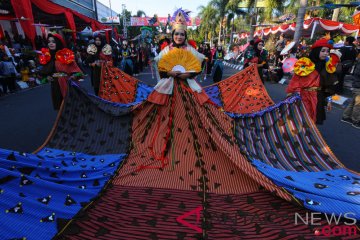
x=165 y=190
x=41 y=192
x=173 y=147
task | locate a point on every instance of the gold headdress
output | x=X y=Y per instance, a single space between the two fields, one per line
x=180 y=19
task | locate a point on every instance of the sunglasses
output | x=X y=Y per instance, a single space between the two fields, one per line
x=181 y=34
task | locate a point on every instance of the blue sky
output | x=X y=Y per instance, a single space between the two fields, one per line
x=159 y=7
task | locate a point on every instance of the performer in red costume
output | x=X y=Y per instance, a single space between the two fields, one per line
x=59 y=66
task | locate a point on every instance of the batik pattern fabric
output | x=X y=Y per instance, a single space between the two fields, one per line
x=182 y=170
x=41 y=192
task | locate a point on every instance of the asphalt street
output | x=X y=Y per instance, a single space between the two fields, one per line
x=27 y=117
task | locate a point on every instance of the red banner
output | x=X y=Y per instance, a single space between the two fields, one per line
x=144 y=21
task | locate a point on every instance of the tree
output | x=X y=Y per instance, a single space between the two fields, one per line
x=220 y=5
x=140 y=13
x=266 y=13
x=300 y=21
x=233 y=11
x=209 y=18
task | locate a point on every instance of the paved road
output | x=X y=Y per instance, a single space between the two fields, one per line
x=27 y=117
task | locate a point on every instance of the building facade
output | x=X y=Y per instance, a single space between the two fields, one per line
x=105 y=12
x=85 y=7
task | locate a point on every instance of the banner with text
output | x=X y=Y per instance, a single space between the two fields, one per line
x=145 y=21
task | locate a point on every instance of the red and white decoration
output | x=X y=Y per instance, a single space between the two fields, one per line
x=309 y=28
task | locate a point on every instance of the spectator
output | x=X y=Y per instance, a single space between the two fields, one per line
x=352 y=111
x=279 y=46
x=8 y=73
x=349 y=54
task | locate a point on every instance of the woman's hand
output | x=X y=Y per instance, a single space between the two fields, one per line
x=329 y=106
x=173 y=73
x=184 y=75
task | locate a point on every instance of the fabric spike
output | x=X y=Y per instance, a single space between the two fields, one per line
x=45 y=200
x=11 y=157
x=25 y=181
x=69 y=201
x=17 y=209
x=50 y=218
x=6 y=179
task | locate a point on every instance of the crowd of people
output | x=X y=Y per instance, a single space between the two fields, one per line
x=19 y=63
x=180 y=139
x=316 y=86
x=326 y=68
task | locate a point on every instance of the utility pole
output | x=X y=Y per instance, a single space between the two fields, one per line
x=95 y=9
x=124 y=21
x=112 y=21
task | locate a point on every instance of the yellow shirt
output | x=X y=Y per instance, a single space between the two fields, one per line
x=25 y=75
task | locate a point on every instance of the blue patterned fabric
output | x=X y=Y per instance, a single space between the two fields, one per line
x=214 y=93
x=142 y=92
x=40 y=191
x=334 y=191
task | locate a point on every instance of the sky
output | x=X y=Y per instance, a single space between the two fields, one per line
x=159 y=7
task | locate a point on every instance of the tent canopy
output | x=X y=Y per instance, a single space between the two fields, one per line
x=45 y=11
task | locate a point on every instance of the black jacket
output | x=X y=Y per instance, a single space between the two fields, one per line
x=356 y=76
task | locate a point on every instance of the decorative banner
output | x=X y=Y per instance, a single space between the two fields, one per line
x=113 y=19
x=144 y=21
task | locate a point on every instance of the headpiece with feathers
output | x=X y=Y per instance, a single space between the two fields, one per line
x=180 y=19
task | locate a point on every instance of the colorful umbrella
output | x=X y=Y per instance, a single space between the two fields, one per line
x=288 y=64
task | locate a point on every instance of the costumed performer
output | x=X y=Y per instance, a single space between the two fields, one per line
x=59 y=66
x=315 y=79
x=256 y=54
x=95 y=59
x=178 y=62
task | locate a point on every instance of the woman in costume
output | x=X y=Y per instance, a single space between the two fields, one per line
x=59 y=66
x=256 y=54
x=184 y=161
x=315 y=79
x=179 y=61
x=218 y=65
x=95 y=60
